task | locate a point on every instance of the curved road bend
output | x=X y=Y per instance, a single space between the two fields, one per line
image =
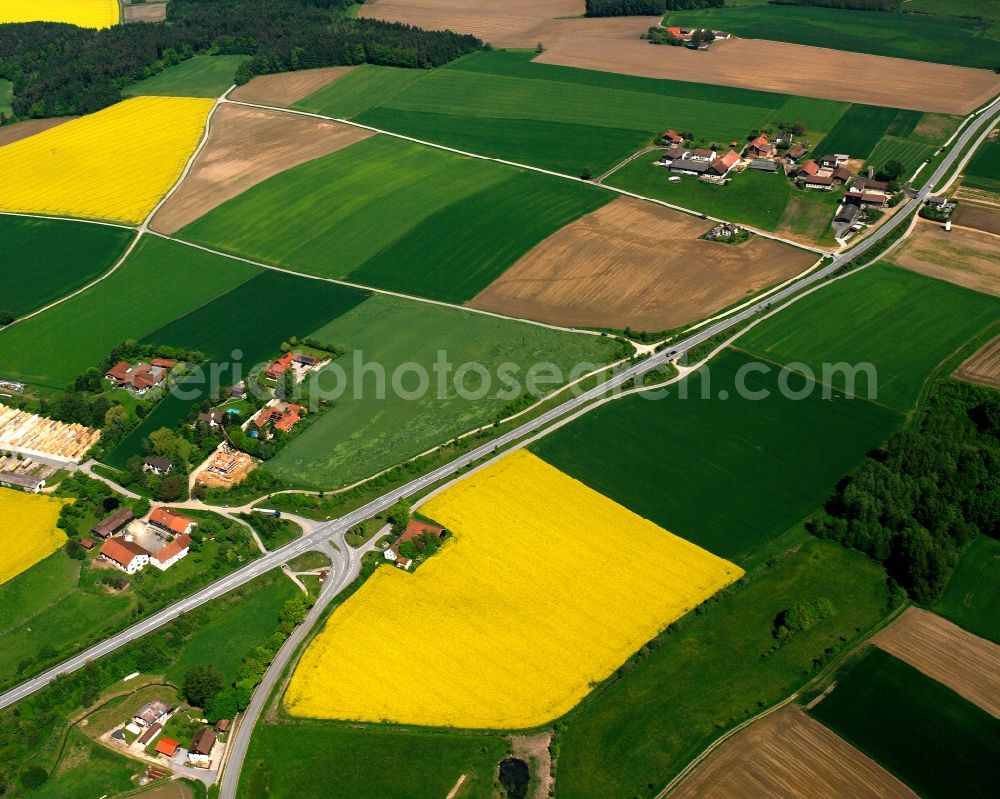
x=337 y=527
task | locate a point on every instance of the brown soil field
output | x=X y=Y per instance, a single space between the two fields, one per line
x=981 y=217
x=22 y=130
x=961 y=256
x=168 y=790
x=245 y=147
x=636 y=264
x=613 y=45
x=983 y=367
x=286 y=88
x=535 y=750
x=504 y=23
x=145 y=12
x=788 y=755
x=966 y=663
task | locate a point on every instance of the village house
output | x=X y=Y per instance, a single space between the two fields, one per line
x=673 y=154
x=833 y=161
x=141 y=377
x=23 y=482
x=701 y=154
x=847 y=214
x=200 y=753
x=172 y=552
x=795 y=152
x=172 y=521
x=151 y=713
x=125 y=555
x=149 y=734
x=808 y=169
x=841 y=175
x=239 y=391
x=212 y=418
x=87 y=544
x=672 y=137
x=113 y=523
x=760 y=147
x=157 y=464
x=724 y=231
x=722 y=164
x=413 y=529
x=764 y=165
x=823 y=182
x=167 y=747
x=283 y=416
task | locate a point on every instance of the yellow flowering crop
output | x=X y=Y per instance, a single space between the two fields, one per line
x=546 y=587
x=28 y=533
x=115 y=164
x=85 y=13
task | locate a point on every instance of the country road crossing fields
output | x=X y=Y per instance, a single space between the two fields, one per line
x=544 y=590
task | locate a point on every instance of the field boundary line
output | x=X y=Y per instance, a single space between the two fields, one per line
x=84 y=220
x=528 y=167
x=373 y=290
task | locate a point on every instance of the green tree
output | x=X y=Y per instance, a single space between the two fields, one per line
x=34 y=777
x=171 y=488
x=399 y=516
x=201 y=683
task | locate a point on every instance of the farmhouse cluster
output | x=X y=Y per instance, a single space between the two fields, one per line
x=131 y=544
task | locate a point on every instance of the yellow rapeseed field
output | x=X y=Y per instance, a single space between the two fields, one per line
x=546 y=588
x=28 y=532
x=85 y=13
x=115 y=164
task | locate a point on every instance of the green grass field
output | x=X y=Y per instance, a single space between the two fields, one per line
x=201 y=76
x=254 y=318
x=398 y=216
x=935 y=741
x=68 y=254
x=902 y=323
x=500 y=104
x=910 y=154
x=859 y=130
x=945 y=40
x=361 y=436
x=87 y=769
x=160 y=282
x=295 y=760
x=718 y=669
x=972 y=595
x=728 y=474
x=246 y=625
x=983 y=171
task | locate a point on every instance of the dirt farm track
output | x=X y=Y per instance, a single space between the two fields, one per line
x=967 y=664
x=613 y=45
x=789 y=755
x=635 y=264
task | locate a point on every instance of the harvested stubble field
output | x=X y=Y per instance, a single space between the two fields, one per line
x=115 y=164
x=84 y=13
x=613 y=45
x=495 y=631
x=789 y=755
x=983 y=366
x=245 y=147
x=961 y=256
x=981 y=217
x=144 y=11
x=636 y=264
x=286 y=88
x=22 y=130
x=502 y=23
x=29 y=531
x=967 y=664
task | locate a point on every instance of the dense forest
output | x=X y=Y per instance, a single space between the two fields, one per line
x=857 y=5
x=61 y=69
x=917 y=501
x=639 y=8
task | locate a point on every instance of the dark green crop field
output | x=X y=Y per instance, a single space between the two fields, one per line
x=983 y=171
x=901 y=323
x=938 y=743
x=728 y=474
x=501 y=104
x=859 y=130
x=972 y=595
x=398 y=216
x=201 y=76
x=945 y=40
x=45 y=259
x=287 y=761
x=719 y=668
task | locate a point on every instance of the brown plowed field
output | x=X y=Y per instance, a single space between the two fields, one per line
x=146 y=12
x=966 y=663
x=286 y=88
x=613 y=45
x=504 y=23
x=245 y=147
x=788 y=755
x=22 y=130
x=980 y=217
x=961 y=256
x=636 y=264
x=983 y=367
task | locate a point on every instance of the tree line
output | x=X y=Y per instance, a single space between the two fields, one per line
x=641 y=8
x=917 y=501
x=856 y=5
x=60 y=69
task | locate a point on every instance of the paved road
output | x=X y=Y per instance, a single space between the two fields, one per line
x=337 y=527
